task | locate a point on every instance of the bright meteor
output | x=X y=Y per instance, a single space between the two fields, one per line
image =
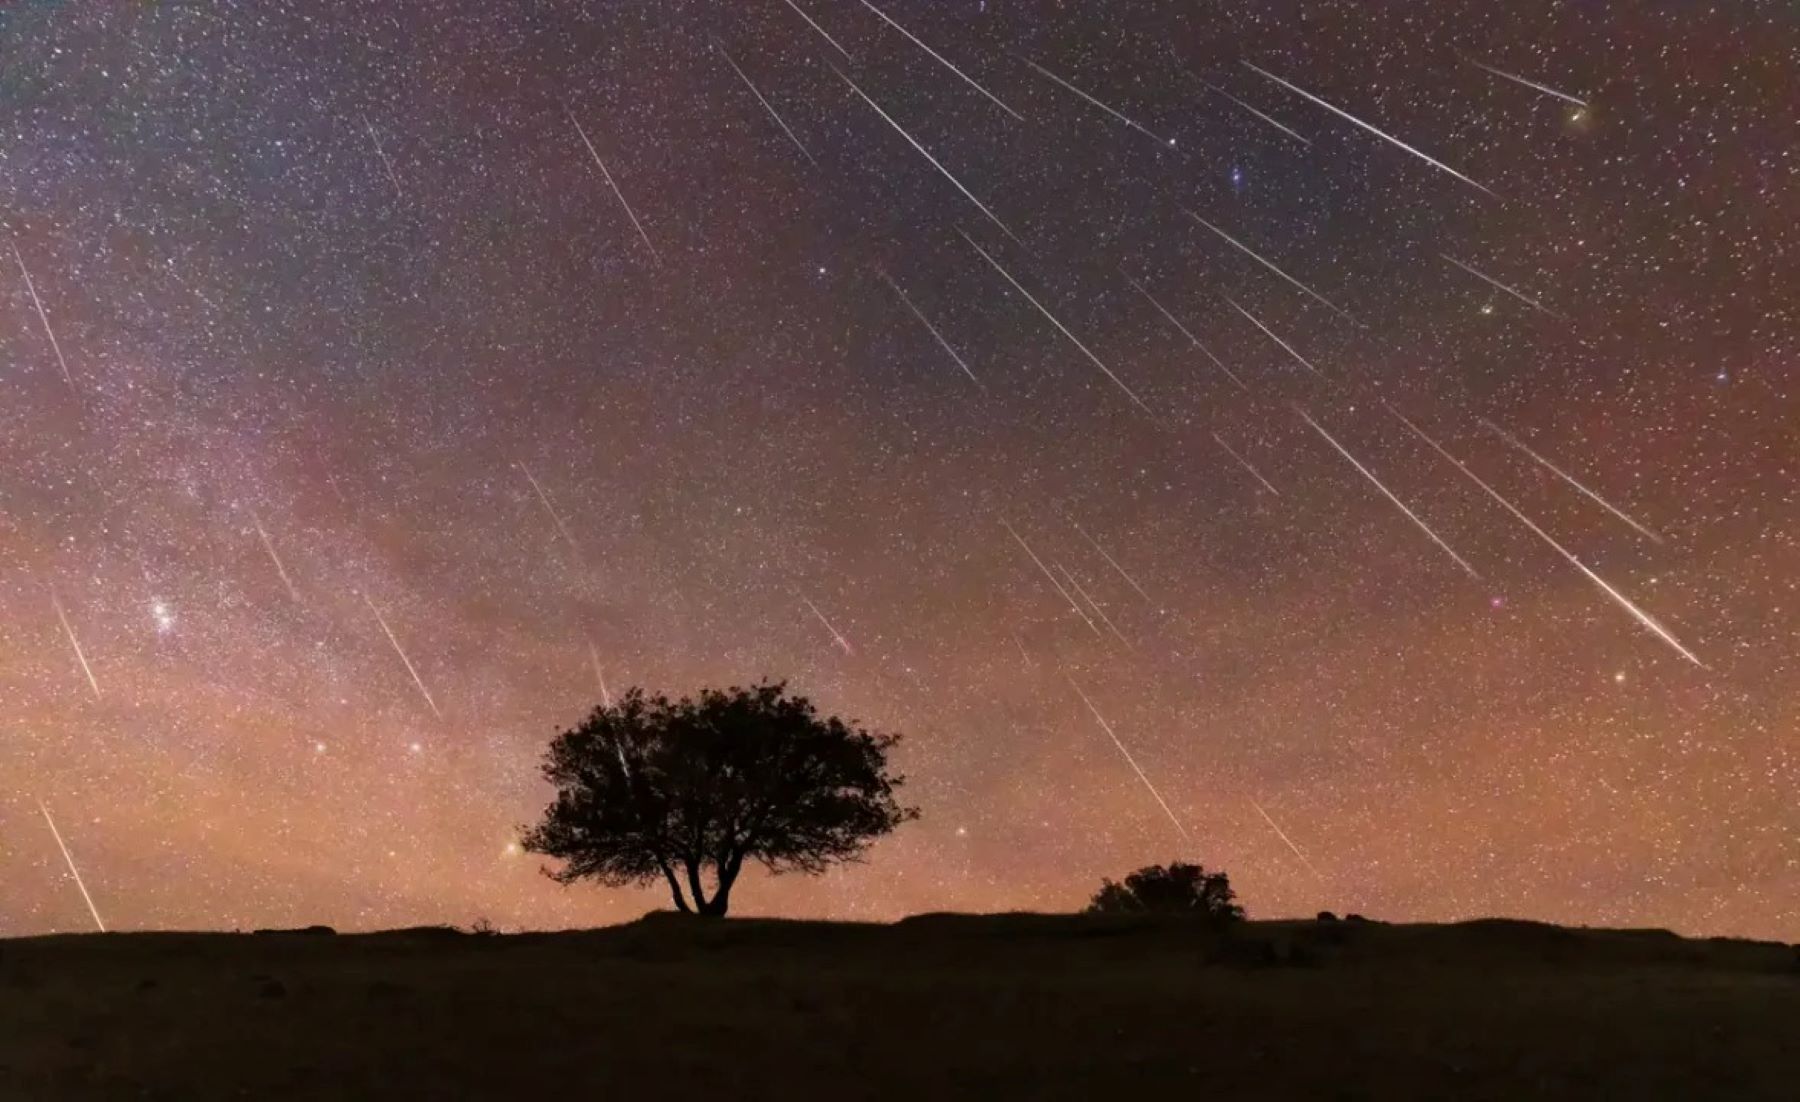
x=1532 y=84
x=1265 y=262
x=942 y=60
x=73 y=871
x=75 y=644
x=1270 y=333
x=926 y=322
x=1133 y=123
x=1195 y=341
x=608 y=177
x=1514 y=292
x=1107 y=727
x=1573 y=481
x=766 y=105
x=407 y=662
x=44 y=318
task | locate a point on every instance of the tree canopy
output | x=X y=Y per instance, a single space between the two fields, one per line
x=649 y=787
x=1175 y=888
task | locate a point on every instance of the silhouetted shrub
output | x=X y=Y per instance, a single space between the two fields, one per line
x=1327 y=916
x=1175 y=888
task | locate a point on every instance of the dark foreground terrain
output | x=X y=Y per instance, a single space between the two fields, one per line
x=935 y=1007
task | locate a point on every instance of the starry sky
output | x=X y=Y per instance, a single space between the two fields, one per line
x=1350 y=444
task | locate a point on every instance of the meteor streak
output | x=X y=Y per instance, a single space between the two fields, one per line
x=1107 y=727
x=1303 y=361
x=1112 y=562
x=1272 y=122
x=822 y=32
x=1520 y=295
x=1389 y=494
x=55 y=346
x=599 y=674
x=1260 y=259
x=835 y=635
x=1026 y=547
x=75 y=644
x=555 y=517
x=73 y=871
x=926 y=322
x=608 y=177
x=1571 y=480
x=385 y=163
x=942 y=60
x=1245 y=463
x=273 y=557
x=923 y=152
x=1516 y=79
x=1276 y=827
x=1061 y=328
x=798 y=144
x=1647 y=621
x=1133 y=123
x=1195 y=341
x=423 y=691
x=1432 y=161
x=1093 y=604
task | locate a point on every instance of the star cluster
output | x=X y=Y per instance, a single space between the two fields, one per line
x=1352 y=445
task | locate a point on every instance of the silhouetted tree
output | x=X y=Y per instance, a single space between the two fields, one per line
x=1174 y=888
x=650 y=787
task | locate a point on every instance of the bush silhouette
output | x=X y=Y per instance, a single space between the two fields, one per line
x=649 y=787
x=1175 y=888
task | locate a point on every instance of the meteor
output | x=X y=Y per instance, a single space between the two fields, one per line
x=43 y=317
x=1063 y=329
x=1112 y=562
x=599 y=674
x=1303 y=361
x=555 y=517
x=942 y=60
x=798 y=144
x=608 y=177
x=1195 y=341
x=273 y=557
x=1276 y=827
x=1272 y=122
x=926 y=322
x=835 y=635
x=1516 y=79
x=1107 y=727
x=935 y=163
x=1571 y=480
x=75 y=644
x=1383 y=135
x=1643 y=618
x=385 y=163
x=1520 y=295
x=1260 y=259
x=1133 y=123
x=1093 y=604
x=822 y=32
x=1020 y=540
x=1389 y=494
x=423 y=691
x=1245 y=463
x=73 y=871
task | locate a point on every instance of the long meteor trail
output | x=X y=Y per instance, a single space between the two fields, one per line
x=1112 y=562
x=926 y=153
x=1573 y=481
x=73 y=871
x=1270 y=333
x=926 y=322
x=1133 y=123
x=767 y=106
x=1513 y=291
x=1026 y=547
x=1269 y=264
x=1532 y=84
x=1282 y=834
x=1060 y=327
x=1245 y=463
x=1095 y=605
x=1195 y=341
x=382 y=153
x=1107 y=727
x=942 y=60
x=608 y=177
x=836 y=636
x=55 y=345
x=599 y=674
x=823 y=33
x=1297 y=136
x=269 y=546
x=75 y=644
x=550 y=508
x=1382 y=134
x=1389 y=494
x=1643 y=618
x=399 y=650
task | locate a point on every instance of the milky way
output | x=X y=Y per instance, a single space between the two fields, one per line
x=383 y=381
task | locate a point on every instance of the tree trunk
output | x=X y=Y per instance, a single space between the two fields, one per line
x=681 y=903
x=702 y=905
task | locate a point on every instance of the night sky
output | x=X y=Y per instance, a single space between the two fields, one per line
x=382 y=419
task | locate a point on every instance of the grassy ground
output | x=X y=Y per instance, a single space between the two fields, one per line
x=936 y=1007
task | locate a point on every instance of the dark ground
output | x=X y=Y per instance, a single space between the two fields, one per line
x=1016 y=1006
